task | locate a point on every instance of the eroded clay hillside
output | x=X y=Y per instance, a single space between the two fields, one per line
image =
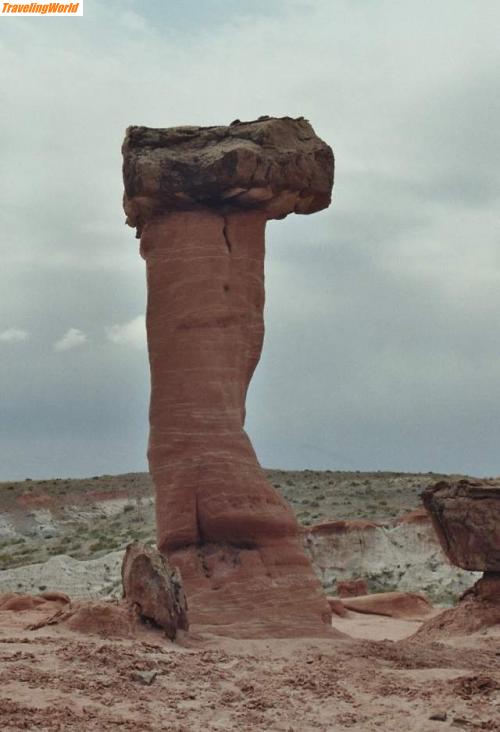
x=71 y=533
x=89 y=517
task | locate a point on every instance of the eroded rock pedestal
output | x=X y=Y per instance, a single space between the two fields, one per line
x=466 y=517
x=200 y=199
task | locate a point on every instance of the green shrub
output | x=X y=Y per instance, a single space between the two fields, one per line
x=103 y=544
x=5 y=560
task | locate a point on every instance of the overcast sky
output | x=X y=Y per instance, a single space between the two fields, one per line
x=382 y=346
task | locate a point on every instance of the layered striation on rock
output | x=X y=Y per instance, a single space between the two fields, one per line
x=200 y=199
x=466 y=517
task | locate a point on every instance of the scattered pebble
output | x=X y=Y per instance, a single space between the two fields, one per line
x=439 y=716
x=144 y=677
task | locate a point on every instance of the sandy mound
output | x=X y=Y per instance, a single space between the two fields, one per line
x=15 y=601
x=111 y=619
x=466 y=618
x=106 y=619
x=478 y=610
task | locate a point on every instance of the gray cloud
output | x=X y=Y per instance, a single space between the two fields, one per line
x=10 y=335
x=73 y=338
x=131 y=333
x=381 y=348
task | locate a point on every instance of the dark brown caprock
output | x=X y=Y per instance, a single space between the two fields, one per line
x=200 y=198
x=466 y=517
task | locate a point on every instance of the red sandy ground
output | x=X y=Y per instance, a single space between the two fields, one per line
x=56 y=678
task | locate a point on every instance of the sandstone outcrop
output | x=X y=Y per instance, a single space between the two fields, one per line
x=199 y=199
x=55 y=596
x=342 y=526
x=352 y=587
x=154 y=589
x=412 y=605
x=18 y=602
x=418 y=516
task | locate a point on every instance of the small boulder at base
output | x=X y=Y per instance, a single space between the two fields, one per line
x=154 y=588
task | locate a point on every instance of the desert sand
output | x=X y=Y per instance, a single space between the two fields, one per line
x=370 y=675
x=373 y=677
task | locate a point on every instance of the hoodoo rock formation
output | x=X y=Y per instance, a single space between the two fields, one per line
x=199 y=198
x=466 y=517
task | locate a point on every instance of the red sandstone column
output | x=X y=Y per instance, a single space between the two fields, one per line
x=200 y=199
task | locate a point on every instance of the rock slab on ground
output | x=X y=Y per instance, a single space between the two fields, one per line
x=154 y=588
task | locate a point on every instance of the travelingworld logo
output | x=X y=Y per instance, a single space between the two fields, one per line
x=15 y=10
